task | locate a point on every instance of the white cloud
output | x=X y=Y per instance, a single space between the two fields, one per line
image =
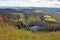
x=31 y=3
x=13 y=3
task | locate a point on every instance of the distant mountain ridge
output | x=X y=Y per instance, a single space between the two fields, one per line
x=31 y=8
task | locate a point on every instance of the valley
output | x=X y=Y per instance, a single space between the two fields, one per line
x=20 y=23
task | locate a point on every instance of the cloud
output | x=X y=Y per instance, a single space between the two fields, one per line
x=31 y=3
x=13 y=3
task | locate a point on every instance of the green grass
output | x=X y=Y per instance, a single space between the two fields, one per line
x=12 y=33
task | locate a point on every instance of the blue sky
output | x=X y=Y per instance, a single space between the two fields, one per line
x=31 y=3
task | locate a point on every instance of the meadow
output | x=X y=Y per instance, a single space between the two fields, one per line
x=12 y=33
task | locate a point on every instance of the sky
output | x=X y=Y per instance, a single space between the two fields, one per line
x=31 y=3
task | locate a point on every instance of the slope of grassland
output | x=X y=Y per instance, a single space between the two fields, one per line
x=10 y=32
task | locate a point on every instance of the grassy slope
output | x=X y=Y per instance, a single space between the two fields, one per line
x=9 y=32
x=12 y=33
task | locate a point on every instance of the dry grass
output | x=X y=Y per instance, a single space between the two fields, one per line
x=12 y=33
